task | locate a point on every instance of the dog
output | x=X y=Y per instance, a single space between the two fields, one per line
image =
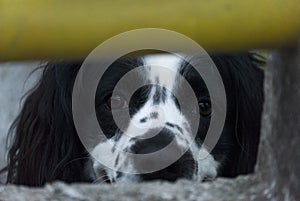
x=46 y=147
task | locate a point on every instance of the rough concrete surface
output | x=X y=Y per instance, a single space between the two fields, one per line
x=279 y=151
x=241 y=189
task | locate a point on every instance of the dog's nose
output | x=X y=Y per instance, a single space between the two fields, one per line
x=184 y=167
x=153 y=141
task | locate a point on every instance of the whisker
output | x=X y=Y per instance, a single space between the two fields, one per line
x=102 y=179
x=68 y=163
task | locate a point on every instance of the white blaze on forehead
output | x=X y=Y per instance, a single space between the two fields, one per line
x=163 y=68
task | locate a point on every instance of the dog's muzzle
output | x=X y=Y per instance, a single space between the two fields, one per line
x=181 y=168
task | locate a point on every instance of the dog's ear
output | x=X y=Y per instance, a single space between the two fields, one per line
x=45 y=145
x=243 y=80
x=248 y=83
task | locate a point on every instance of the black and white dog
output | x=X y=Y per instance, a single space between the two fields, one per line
x=45 y=145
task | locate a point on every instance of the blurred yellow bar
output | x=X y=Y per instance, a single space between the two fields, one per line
x=40 y=29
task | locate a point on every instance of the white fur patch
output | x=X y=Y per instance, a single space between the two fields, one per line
x=164 y=67
x=207 y=166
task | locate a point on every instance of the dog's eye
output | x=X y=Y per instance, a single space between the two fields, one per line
x=205 y=107
x=116 y=102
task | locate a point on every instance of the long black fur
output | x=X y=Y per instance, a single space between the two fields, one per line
x=45 y=146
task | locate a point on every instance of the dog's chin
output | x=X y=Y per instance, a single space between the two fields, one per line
x=172 y=173
x=183 y=168
x=169 y=174
x=162 y=175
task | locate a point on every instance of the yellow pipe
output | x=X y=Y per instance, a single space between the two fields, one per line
x=40 y=29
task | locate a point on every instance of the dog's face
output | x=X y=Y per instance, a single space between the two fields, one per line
x=46 y=146
x=156 y=118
